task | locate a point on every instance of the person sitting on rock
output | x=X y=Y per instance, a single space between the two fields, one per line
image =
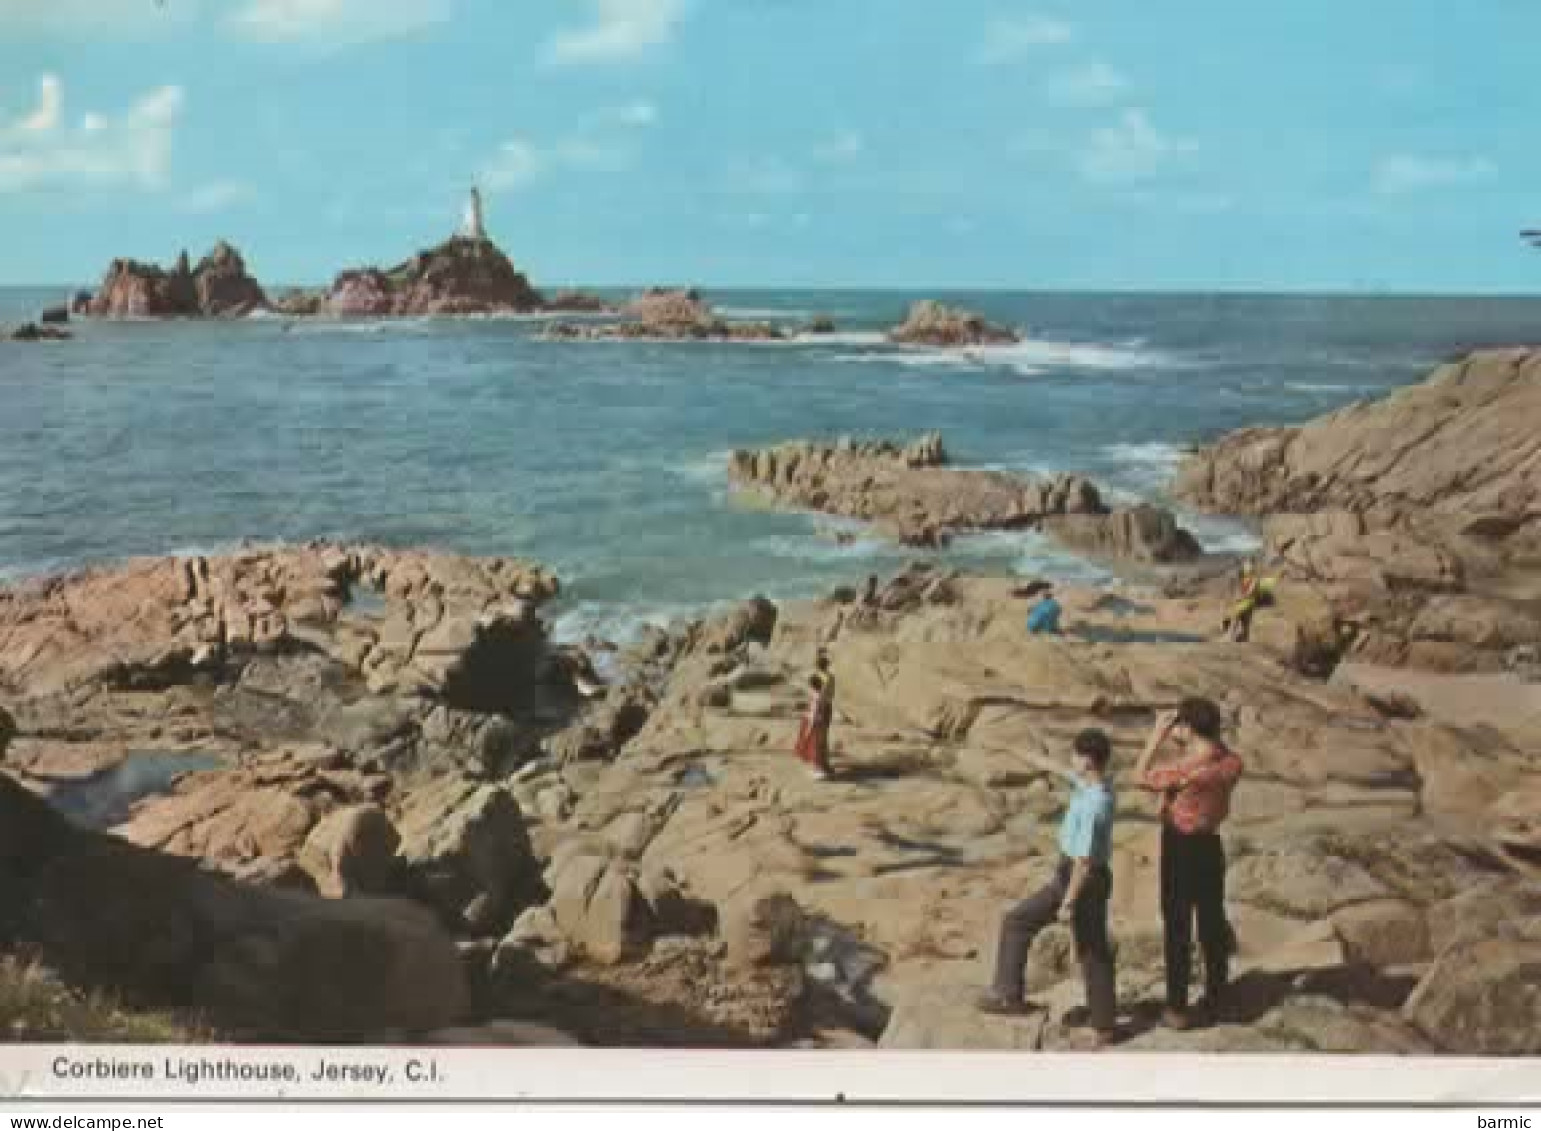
x=1077 y=894
x=1195 y=800
x=1249 y=594
x=1045 y=615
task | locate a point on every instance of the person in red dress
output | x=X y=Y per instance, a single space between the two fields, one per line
x=813 y=733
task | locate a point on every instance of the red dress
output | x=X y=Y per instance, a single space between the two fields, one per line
x=813 y=735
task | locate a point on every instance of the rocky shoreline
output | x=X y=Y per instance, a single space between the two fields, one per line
x=416 y=818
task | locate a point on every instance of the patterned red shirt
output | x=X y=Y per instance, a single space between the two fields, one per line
x=1196 y=792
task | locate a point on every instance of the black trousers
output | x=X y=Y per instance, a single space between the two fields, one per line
x=1193 y=887
x=1089 y=923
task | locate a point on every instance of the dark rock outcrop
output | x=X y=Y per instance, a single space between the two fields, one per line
x=1418 y=516
x=459 y=276
x=930 y=323
x=258 y=963
x=672 y=315
x=219 y=287
x=32 y=332
x=909 y=492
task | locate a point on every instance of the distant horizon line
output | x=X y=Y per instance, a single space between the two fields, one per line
x=913 y=289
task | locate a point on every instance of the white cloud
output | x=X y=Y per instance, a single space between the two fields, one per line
x=634 y=114
x=95 y=18
x=50 y=99
x=1132 y=149
x=1091 y=84
x=216 y=196
x=1406 y=173
x=1010 y=38
x=334 y=23
x=39 y=151
x=603 y=142
x=847 y=145
x=621 y=30
x=516 y=163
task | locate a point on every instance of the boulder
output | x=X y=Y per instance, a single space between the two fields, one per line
x=944 y=1017
x=931 y=323
x=1301 y=883
x=467 y=853
x=257 y=963
x=352 y=852
x=1142 y=534
x=32 y=332
x=753 y=621
x=223 y=287
x=600 y=910
x=1383 y=933
x=905 y=489
x=762 y=928
x=1482 y=997
x=664 y=314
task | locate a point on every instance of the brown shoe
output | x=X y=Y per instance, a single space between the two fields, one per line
x=998 y=1006
x=1176 y=1019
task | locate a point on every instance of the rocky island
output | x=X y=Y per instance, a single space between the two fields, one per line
x=468 y=274
x=910 y=493
x=931 y=323
x=219 y=287
x=662 y=314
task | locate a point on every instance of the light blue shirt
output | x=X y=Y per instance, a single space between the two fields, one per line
x=1044 y=617
x=1087 y=829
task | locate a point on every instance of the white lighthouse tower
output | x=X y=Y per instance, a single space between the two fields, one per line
x=471 y=227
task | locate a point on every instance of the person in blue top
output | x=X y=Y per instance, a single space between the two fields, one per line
x=1045 y=615
x=1077 y=894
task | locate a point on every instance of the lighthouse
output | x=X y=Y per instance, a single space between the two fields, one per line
x=471 y=227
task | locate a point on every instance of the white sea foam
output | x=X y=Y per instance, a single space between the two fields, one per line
x=760 y=313
x=363 y=326
x=1346 y=390
x=1029 y=359
x=824 y=545
x=711 y=468
x=849 y=338
x=617 y=623
x=1147 y=466
x=1219 y=535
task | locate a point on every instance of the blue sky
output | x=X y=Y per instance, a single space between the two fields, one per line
x=1101 y=144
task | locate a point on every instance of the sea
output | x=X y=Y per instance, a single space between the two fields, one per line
x=606 y=461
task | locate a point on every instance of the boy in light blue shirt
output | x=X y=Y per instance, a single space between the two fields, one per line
x=1077 y=894
x=1045 y=615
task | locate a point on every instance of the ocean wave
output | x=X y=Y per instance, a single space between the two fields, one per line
x=759 y=313
x=711 y=468
x=1030 y=358
x=363 y=326
x=1148 y=464
x=618 y=623
x=1219 y=535
x=1348 y=390
x=832 y=541
x=848 y=338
